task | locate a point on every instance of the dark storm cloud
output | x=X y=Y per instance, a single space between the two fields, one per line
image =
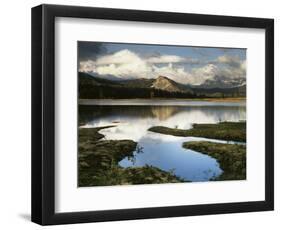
x=90 y=50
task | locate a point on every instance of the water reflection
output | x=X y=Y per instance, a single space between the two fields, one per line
x=162 y=151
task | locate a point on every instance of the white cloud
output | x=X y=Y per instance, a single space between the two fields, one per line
x=232 y=61
x=127 y=64
x=204 y=73
x=228 y=59
x=166 y=59
x=120 y=57
x=87 y=66
x=128 y=70
x=236 y=68
x=243 y=65
x=124 y=64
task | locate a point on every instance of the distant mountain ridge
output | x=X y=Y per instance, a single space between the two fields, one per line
x=223 y=82
x=162 y=87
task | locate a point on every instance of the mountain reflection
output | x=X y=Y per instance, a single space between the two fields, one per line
x=88 y=113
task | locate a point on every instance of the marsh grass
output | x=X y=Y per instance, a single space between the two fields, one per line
x=98 y=162
x=229 y=131
x=98 y=159
x=231 y=157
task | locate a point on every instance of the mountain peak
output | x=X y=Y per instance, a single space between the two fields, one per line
x=161 y=77
x=164 y=83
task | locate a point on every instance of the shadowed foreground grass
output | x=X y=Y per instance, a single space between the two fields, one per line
x=98 y=162
x=229 y=131
x=231 y=157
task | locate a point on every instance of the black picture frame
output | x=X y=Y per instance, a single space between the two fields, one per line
x=43 y=114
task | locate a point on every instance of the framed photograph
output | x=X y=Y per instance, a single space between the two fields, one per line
x=142 y=114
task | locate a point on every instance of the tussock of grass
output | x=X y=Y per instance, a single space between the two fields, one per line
x=116 y=175
x=231 y=157
x=91 y=134
x=230 y=131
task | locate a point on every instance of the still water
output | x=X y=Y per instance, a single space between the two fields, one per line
x=133 y=118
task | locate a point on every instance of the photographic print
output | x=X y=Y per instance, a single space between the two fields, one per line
x=153 y=114
x=153 y=105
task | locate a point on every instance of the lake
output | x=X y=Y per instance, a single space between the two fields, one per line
x=133 y=118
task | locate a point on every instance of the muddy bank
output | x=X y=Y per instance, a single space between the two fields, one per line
x=231 y=157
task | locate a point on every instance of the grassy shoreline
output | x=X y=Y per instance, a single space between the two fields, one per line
x=229 y=131
x=230 y=99
x=98 y=159
x=98 y=162
x=231 y=157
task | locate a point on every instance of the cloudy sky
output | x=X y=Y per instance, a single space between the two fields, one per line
x=188 y=65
